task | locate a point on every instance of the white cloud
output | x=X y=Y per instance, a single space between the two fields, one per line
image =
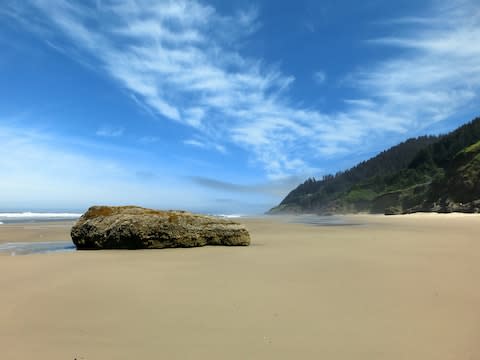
x=196 y=143
x=149 y=139
x=320 y=77
x=181 y=59
x=107 y=131
x=39 y=171
x=365 y=103
x=205 y=144
x=438 y=74
x=194 y=116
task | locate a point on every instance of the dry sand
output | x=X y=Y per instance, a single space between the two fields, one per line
x=402 y=287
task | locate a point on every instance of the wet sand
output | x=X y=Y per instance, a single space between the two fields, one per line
x=36 y=232
x=403 y=287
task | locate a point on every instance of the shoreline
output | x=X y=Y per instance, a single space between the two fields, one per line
x=59 y=230
x=399 y=288
x=36 y=231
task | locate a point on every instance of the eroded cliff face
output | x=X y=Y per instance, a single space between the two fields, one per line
x=132 y=227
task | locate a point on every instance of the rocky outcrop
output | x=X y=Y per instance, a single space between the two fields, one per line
x=131 y=227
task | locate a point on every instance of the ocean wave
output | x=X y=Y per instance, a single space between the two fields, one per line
x=39 y=215
x=229 y=216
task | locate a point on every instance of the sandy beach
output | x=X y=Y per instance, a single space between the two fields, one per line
x=36 y=232
x=403 y=287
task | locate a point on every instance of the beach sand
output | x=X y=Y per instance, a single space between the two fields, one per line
x=36 y=232
x=403 y=287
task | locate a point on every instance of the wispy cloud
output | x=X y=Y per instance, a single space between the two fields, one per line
x=407 y=20
x=182 y=60
x=108 y=131
x=320 y=77
x=149 y=139
x=202 y=144
x=39 y=170
x=193 y=142
x=277 y=188
x=438 y=72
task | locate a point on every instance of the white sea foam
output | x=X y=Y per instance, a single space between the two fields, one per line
x=229 y=216
x=38 y=215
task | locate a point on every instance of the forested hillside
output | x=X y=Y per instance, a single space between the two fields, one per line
x=423 y=174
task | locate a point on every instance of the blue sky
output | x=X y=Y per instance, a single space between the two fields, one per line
x=219 y=106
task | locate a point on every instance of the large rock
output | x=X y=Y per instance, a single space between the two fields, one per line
x=131 y=227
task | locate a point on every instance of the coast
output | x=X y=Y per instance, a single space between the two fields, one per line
x=399 y=287
x=36 y=232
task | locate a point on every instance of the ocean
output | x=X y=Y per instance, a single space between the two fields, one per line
x=30 y=217
x=27 y=248
x=34 y=217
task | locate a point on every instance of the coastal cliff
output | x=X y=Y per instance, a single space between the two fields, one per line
x=426 y=174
